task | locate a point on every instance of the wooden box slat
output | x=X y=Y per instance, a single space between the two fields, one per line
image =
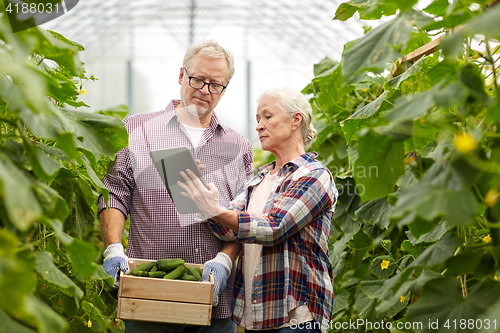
x=163 y=311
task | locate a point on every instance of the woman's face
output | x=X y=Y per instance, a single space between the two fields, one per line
x=274 y=127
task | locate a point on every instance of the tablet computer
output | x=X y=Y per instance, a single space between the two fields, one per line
x=170 y=162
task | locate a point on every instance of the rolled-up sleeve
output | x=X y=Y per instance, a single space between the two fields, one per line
x=120 y=182
x=306 y=199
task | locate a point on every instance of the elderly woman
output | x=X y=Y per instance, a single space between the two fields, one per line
x=283 y=218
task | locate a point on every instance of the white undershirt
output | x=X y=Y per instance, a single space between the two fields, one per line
x=256 y=205
x=195 y=134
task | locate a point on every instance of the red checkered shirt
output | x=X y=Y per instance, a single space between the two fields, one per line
x=156 y=229
x=294 y=267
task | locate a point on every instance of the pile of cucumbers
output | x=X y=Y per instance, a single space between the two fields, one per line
x=168 y=269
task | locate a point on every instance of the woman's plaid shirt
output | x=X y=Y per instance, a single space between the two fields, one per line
x=294 y=267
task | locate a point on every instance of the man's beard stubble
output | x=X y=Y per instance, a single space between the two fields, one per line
x=192 y=109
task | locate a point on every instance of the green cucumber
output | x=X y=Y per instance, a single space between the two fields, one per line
x=176 y=273
x=168 y=264
x=194 y=273
x=158 y=274
x=136 y=272
x=189 y=277
x=146 y=267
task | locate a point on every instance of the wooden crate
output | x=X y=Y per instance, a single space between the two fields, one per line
x=164 y=301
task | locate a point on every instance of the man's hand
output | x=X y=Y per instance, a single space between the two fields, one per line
x=220 y=267
x=115 y=261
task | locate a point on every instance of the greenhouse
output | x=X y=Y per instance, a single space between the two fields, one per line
x=385 y=218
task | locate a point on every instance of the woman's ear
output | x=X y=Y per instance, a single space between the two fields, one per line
x=297 y=119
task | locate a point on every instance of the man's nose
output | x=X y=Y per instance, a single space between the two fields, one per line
x=205 y=89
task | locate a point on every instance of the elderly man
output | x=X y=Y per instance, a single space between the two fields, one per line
x=157 y=230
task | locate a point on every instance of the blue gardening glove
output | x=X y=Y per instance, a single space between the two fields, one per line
x=220 y=267
x=115 y=261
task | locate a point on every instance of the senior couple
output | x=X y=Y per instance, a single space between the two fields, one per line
x=276 y=222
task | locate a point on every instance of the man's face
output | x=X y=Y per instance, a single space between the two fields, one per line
x=200 y=102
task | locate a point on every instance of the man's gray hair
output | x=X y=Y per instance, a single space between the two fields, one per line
x=210 y=49
x=292 y=101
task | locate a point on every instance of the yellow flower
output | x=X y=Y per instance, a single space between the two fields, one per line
x=402 y=299
x=83 y=92
x=487 y=238
x=384 y=264
x=408 y=160
x=364 y=90
x=465 y=143
x=491 y=197
x=89 y=324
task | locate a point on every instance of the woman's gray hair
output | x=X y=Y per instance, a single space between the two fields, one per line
x=292 y=101
x=210 y=49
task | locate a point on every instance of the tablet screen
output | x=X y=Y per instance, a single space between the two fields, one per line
x=170 y=162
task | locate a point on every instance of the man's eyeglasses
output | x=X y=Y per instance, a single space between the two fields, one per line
x=196 y=83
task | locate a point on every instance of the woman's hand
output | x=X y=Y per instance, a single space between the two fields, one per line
x=207 y=200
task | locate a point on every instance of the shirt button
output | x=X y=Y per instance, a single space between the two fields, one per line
x=196 y=250
x=254 y=301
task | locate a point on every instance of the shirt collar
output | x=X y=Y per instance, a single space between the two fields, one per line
x=294 y=164
x=170 y=115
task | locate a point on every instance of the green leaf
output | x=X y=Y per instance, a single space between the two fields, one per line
x=51 y=274
x=432 y=201
x=470 y=75
x=57 y=226
x=420 y=227
x=20 y=202
x=119 y=111
x=437 y=7
x=363 y=305
x=82 y=255
x=64 y=54
x=375 y=212
x=7 y=324
x=379 y=269
x=332 y=92
x=341 y=301
x=42 y=316
x=438 y=253
x=394 y=83
x=383 y=155
x=446 y=69
x=423 y=135
x=99 y=134
x=488 y=316
x=403 y=5
x=102 y=188
x=410 y=107
x=17 y=279
x=442 y=302
x=323 y=66
x=53 y=204
x=347 y=204
x=369 y=109
x=80 y=198
x=368 y=9
x=434 y=235
x=480 y=263
x=485 y=24
x=380 y=46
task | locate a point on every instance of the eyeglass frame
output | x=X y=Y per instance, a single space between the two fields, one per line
x=205 y=83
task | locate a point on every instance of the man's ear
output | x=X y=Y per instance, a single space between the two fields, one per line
x=181 y=75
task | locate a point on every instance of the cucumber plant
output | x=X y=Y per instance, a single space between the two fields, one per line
x=415 y=237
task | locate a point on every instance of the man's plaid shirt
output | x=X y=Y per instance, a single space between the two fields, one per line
x=157 y=230
x=294 y=267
